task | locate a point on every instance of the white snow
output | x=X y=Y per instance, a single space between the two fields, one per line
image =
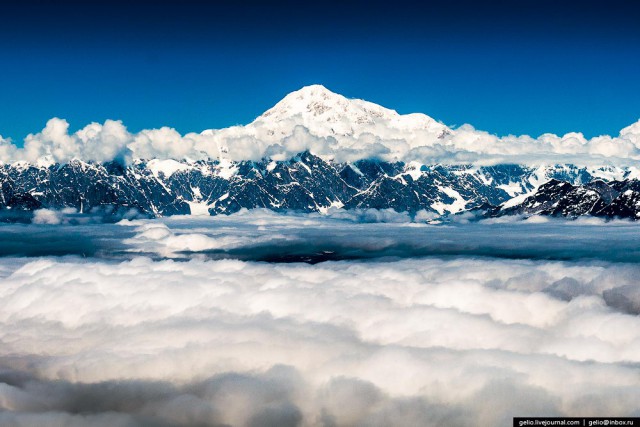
x=21 y=165
x=199 y=208
x=227 y=169
x=355 y=169
x=413 y=170
x=456 y=206
x=336 y=204
x=166 y=167
x=485 y=180
x=608 y=173
x=316 y=119
x=539 y=177
x=516 y=200
x=475 y=171
x=512 y=188
x=633 y=173
x=306 y=167
x=325 y=113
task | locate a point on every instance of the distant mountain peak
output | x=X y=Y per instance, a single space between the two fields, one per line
x=316 y=102
x=326 y=113
x=314 y=91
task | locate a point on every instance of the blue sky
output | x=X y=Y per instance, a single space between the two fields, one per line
x=521 y=67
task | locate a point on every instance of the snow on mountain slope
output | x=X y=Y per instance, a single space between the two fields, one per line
x=166 y=167
x=331 y=126
x=308 y=183
x=326 y=114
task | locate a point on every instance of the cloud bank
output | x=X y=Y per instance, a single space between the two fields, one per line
x=330 y=126
x=460 y=341
x=227 y=342
x=111 y=140
x=263 y=235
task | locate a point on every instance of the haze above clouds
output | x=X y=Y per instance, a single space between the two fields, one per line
x=165 y=331
x=330 y=126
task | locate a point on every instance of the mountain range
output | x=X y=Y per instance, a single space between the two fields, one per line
x=293 y=177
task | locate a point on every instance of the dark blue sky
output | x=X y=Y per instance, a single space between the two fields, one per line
x=521 y=67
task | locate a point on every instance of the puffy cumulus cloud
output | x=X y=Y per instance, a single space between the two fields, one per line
x=94 y=142
x=396 y=139
x=301 y=140
x=7 y=149
x=167 y=143
x=46 y=216
x=466 y=340
x=105 y=142
x=467 y=144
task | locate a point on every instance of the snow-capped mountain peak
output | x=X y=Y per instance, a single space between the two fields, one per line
x=316 y=102
x=328 y=114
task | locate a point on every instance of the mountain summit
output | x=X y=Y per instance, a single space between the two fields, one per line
x=326 y=113
x=352 y=124
x=317 y=103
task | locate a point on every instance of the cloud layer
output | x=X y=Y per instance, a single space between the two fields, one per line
x=417 y=341
x=330 y=126
x=263 y=235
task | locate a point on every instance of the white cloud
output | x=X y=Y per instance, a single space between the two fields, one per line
x=431 y=341
x=93 y=142
x=332 y=127
x=46 y=216
x=7 y=149
x=251 y=234
x=420 y=335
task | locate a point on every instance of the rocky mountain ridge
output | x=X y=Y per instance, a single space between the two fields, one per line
x=307 y=183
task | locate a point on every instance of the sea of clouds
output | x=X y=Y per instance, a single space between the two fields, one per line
x=192 y=322
x=111 y=140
